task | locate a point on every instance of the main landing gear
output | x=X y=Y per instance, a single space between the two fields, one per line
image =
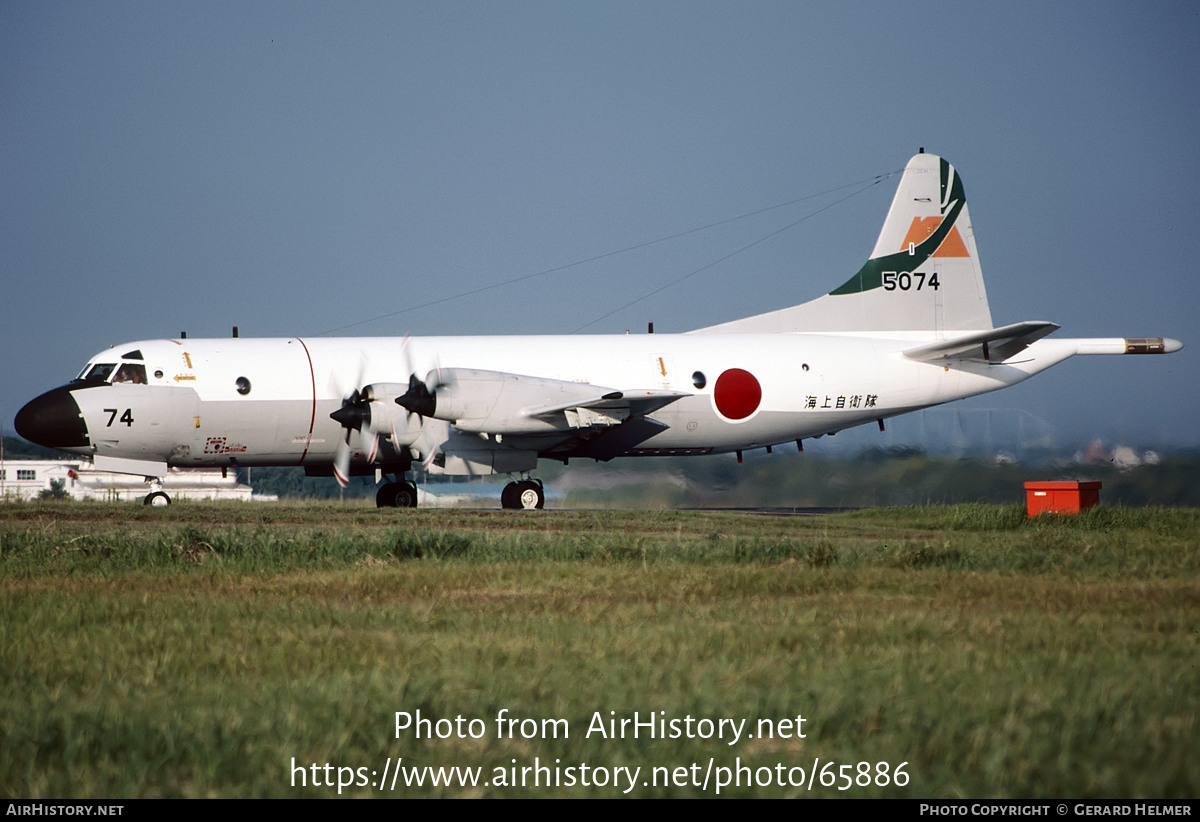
x=525 y=494
x=396 y=495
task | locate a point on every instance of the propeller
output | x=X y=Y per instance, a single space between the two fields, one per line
x=356 y=413
x=353 y=415
x=419 y=399
x=350 y=416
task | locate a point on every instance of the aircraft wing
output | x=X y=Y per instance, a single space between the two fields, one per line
x=994 y=345
x=613 y=405
x=497 y=402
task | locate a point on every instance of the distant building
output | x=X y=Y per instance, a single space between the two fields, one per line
x=27 y=479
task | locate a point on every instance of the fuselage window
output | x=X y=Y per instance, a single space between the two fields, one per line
x=131 y=373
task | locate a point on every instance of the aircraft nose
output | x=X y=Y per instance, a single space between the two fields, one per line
x=53 y=420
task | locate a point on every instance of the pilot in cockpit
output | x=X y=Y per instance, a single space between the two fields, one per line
x=131 y=373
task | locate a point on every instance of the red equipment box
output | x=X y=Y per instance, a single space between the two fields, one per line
x=1060 y=497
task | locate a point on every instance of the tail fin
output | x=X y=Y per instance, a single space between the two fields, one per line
x=923 y=275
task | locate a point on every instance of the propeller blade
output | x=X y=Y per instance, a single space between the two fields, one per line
x=341 y=461
x=372 y=446
x=403 y=432
x=354 y=414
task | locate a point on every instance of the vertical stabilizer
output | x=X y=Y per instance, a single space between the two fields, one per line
x=923 y=275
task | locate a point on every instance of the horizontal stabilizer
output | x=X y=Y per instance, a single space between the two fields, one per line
x=994 y=345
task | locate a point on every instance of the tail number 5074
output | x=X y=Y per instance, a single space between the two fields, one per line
x=909 y=281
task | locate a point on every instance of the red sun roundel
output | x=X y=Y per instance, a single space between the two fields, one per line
x=737 y=394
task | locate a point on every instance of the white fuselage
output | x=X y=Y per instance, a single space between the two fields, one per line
x=190 y=412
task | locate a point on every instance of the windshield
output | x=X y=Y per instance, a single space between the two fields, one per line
x=99 y=372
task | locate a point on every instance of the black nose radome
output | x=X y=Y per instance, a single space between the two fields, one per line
x=53 y=420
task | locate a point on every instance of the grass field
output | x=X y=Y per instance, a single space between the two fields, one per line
x=223 y=650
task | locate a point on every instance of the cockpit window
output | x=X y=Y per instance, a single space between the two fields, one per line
x=131 y=373
x=135 y=354
x=99 y=372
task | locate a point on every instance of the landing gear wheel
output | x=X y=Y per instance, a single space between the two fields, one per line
x=396 y=495
x=508 y=497
x=530 y=494
x=526 y=494
x=156 y=498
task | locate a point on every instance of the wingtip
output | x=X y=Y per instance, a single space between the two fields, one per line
x=1152 y=345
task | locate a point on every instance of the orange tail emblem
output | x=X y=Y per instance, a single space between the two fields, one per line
x=923 y=227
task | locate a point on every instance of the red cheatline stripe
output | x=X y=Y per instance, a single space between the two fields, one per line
x=313 y=415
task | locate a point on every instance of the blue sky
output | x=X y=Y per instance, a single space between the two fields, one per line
x=295 y=168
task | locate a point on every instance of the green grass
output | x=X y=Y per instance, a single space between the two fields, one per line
x=196 y=651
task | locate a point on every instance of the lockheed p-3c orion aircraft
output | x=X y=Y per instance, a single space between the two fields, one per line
x=911 y=329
